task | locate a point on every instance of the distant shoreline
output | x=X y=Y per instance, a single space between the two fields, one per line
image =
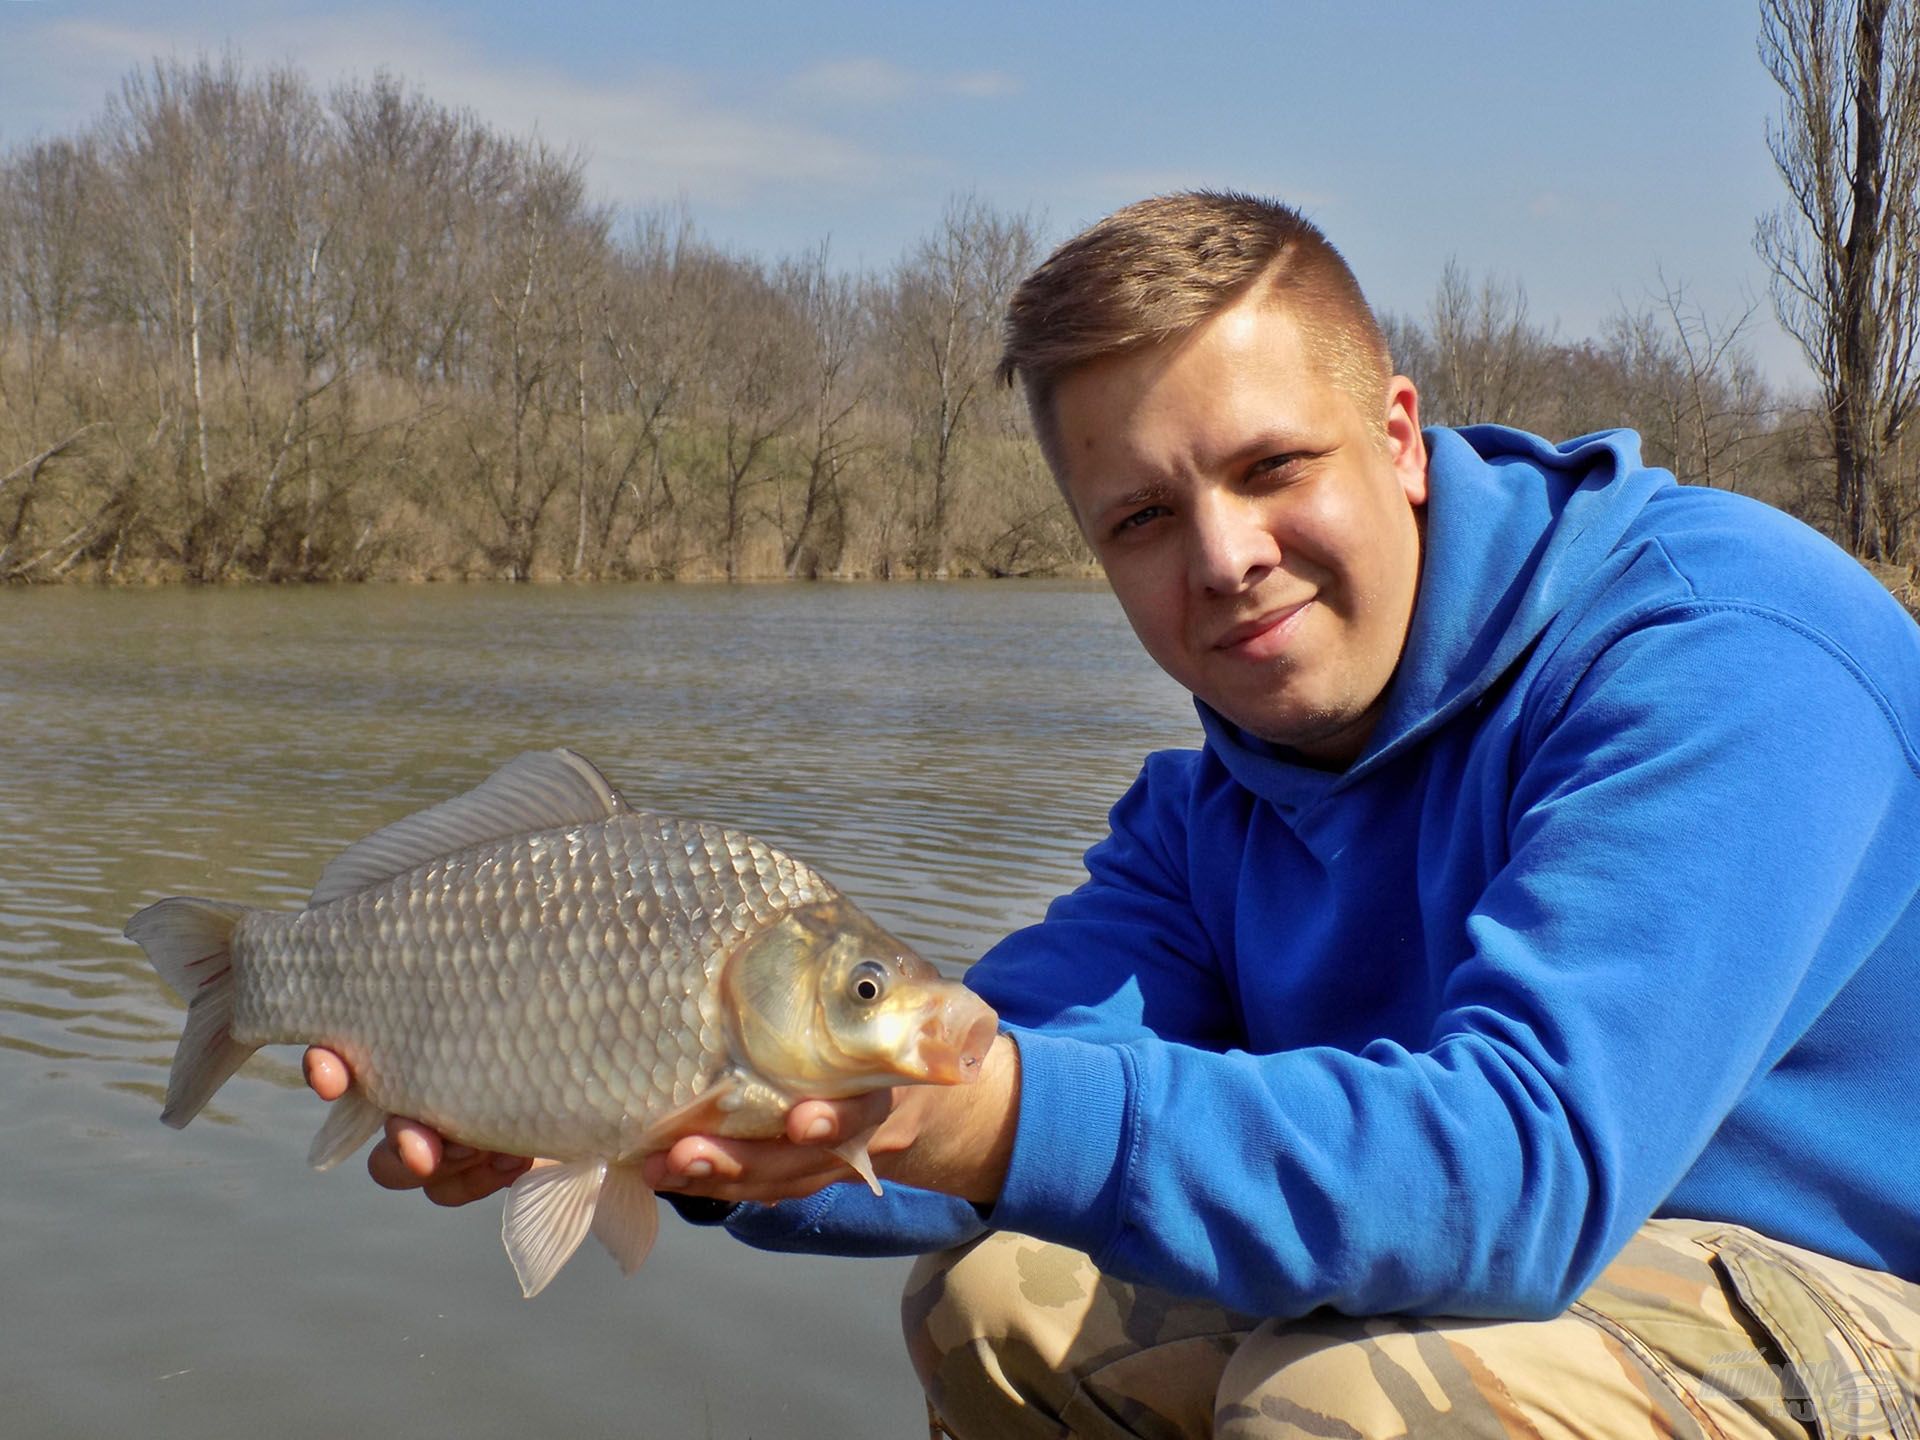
x=1902 y=582
x=158 y=581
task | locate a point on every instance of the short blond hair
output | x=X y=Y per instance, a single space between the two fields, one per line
x=1162 y=267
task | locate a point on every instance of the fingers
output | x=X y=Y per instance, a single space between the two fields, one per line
x=768 y=1170
x=461 y=1178
x=413 y=1157
x=475 y=1177
x=827 y=1122
x=407 y=1158
x=416 y=1147
x=326 y=1073
x=758 y=1170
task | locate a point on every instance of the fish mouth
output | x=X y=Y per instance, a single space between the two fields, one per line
x=955 y=1038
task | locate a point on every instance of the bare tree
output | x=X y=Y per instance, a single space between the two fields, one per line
x=541 y=242
x=656 y=321
x=1845 y=249
x=47 y=192
x=15 y=509
x=422 y=174
x=1017 y=524
x=1687 y=382
x=292 y=318
x=754 y=399
x=1483 y=353
x=175 y=145
x=948 y=298
x=836 y=323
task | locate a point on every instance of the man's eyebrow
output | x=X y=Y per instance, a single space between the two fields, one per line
x=1273 y=442
x=1150 y=493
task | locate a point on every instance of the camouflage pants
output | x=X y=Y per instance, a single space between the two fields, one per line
x=1696 y=1330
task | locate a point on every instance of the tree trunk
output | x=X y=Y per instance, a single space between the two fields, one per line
x=205 y=527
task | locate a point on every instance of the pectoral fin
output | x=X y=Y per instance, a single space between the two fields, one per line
x=549 y=1211
x=351 y=1122
x=628 y=1216
x=853 y=1150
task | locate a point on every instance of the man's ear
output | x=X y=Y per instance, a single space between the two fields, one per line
x=1406 y=446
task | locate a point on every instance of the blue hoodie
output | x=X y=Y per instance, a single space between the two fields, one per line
x=1615 y=917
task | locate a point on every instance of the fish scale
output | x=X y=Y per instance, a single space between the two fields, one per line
x=537 y=968
x=467 y=993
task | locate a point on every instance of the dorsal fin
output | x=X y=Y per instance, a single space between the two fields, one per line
x=540 y=790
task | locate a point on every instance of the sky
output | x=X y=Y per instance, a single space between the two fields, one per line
x=1590 y=150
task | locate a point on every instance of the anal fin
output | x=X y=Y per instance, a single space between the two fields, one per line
x=549 y=1211
x=628 y=1216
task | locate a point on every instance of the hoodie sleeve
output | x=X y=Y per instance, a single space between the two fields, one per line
x=1710 y=826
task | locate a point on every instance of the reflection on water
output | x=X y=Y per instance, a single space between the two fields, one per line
x=943 y=753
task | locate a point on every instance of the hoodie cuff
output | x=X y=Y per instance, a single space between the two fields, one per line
x=1070 y=1154
x=699 y=1209
x=846 y=1220
x=785 y=1226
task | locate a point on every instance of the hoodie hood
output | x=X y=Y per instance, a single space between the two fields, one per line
x=1514 y=525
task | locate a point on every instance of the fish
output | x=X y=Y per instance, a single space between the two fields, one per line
x=536 y=967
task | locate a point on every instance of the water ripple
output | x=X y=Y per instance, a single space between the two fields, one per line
x=943 y=753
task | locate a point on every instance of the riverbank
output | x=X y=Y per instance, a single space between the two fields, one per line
x=1903 y=581
x=150 y=576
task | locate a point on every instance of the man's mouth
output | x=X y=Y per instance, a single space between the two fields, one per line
x=1265 y=635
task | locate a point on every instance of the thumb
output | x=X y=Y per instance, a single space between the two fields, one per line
x=827 y=1122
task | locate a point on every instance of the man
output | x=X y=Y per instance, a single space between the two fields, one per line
x=1533 y=943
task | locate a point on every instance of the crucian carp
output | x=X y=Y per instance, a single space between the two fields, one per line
x=538 y=968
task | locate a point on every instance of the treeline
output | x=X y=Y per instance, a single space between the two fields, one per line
x=252 y=331
x=1681 y=377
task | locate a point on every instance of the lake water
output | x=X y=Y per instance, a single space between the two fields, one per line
x=944 y=753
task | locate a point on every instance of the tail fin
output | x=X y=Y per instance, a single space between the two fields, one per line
x=187 y=942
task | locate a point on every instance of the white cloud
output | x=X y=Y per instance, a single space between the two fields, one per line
x=870 y=81
x=653 y=135
x=858 y=81
x=982 y=84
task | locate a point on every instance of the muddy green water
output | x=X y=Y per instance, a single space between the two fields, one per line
x=944 y=753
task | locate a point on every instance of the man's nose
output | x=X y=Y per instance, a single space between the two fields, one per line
x=1231 y=547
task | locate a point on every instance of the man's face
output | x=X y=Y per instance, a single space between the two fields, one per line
x=1262 y=538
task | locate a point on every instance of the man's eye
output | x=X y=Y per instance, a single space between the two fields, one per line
x=1139 y=518
x=1288 y=467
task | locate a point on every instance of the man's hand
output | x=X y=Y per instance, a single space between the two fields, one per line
x=955 y=1138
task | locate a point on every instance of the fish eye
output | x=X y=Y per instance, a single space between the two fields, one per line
x=869 y=981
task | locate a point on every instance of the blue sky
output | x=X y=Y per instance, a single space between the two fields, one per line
x=1584 y=149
